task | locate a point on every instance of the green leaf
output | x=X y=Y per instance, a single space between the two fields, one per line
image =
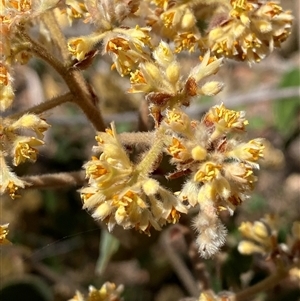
x=286 y=110
x=109 y=245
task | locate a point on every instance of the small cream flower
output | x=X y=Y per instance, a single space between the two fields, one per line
x=9 y=182
x=225 y=120
x=31 y=122
x=23 y=149
x=128 y=47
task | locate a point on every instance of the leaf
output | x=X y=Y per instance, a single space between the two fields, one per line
x=109 y=245
x=286 y=110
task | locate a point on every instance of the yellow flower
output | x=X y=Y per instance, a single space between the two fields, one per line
x=32 y=122
x=186 y=41
x=128 y=47
x=179 y=122
x=178 y=151
x=208 y=172
x=9 y=182
x=249 y=152
x=23 y=149
x=3 y=234
x=225 y=120
x=19 y=5
x=79 y=47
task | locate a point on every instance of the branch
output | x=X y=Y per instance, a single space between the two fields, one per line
x=197 y=109
x=45 y=106
x=261 y=286
x=57 y=180
x=176 y=261
x=81 y=91
x=56 y=34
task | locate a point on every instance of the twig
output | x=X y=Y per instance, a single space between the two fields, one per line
x=57 y=180
x=177 y=263
x=45 y=106
x=83 y=96
x=197 y=109
x=261 y=286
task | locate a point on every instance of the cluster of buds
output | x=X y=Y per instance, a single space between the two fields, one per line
x=221 y=167
x=108 y=292
x=250 y=31
x=163 y=83
x=262 y=237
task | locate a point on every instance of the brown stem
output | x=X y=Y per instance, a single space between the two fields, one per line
x=56 y=34
x=45 y=106
x=84 y=97
x=57 y=180
x=176 y=261
x=82 y=93
x=263 y=285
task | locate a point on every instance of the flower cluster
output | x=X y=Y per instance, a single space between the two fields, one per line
x=251 y=30
x=120 y=192
x=163 y=82
x=262 y=237
x=220 y=164
x=108 y=292
x=20 y=146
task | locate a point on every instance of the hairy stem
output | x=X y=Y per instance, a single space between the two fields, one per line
x=56 y=34
x=79 y=88
x=137 y=138
x=145 y=166
x=57 y=180
x=45 y=106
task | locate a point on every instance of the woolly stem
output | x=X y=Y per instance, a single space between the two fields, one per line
x=145 y=166
x=56 y=34
x=45 y=106
x=57 y=180
x=81 y=91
